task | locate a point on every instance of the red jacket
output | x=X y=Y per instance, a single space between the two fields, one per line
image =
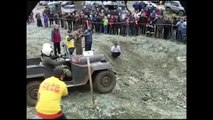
x=87 y=23
x=125 y=22
x=157 y=12
x=136 y=23
x=111 y=21
x=56 y=36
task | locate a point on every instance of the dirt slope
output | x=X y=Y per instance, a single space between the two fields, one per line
x=151 y=79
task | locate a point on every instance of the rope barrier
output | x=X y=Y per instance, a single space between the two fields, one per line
x=73 y=20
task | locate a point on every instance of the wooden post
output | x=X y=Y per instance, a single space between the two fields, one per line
x=90 y=81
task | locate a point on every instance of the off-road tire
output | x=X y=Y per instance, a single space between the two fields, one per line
x=181 y=13
x=32 y=87
x=168 y=9
x=105 y=81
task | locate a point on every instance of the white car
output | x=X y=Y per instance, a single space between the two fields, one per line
x=110 y=3
x=89 y=3
x=174 y=6
x=68 y=9
x=64 y=3
x=43 y=3
x=92 y=2
x=152 y=5
x=53 y=3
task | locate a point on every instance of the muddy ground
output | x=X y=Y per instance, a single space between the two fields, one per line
x=151 y=79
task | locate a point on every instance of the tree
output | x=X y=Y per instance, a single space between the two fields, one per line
x=125 y=3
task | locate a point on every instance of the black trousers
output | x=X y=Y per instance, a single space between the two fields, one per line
x=88 y=46
x=71 y=50
x=115 y=54
x=166 y=32
x=97 y=28
x=131 y=29
x=51 y=21
x=57 y=48
x=57 y=21
x=123 y=30
x=62 y=23
x=111 y=30
x=143 y=29
x=116 y=30
x=39 y=23
x=136 y=30
x=69 y=25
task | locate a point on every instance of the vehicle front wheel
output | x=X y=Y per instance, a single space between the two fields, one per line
x=181 y=13
x=32 y=90
x=105 y=81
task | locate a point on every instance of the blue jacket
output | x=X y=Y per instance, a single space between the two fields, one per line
x=180 y=25
x=88 y=35
x=153 y=15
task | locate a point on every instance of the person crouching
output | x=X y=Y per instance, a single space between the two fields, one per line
x=115 y=50
x=50 y=94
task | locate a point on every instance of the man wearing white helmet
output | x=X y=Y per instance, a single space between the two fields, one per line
x=47 y=57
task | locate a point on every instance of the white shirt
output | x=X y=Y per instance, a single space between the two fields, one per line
x=136 y=15
x=117 y=49
x=185 y=23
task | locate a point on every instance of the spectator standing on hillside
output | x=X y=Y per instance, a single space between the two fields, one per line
x=179 y=27
x=56 y=18
x=56 y=39
x=105 y=23
x=38 y=18
x=136 y=26
x=45 y=16
x=143 y=21
x=88 y=38
x=166 y=28
x=51 y=18
x=159 y=27
x=174 y=22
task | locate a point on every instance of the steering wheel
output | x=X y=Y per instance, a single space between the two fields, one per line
x=63 y=57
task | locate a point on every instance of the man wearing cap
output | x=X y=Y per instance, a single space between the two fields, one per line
x=50 y=92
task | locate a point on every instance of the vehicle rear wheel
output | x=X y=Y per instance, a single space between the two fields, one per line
x=32 y=90
x=168 y=9
x=105 y=81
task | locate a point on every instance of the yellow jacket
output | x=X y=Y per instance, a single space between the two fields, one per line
x=105 y=21
x=49 y=96
x=69 y=44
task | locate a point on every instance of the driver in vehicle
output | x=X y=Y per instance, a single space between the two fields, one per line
x=50 y=61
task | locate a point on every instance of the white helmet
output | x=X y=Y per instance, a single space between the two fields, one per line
x=47 y=49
